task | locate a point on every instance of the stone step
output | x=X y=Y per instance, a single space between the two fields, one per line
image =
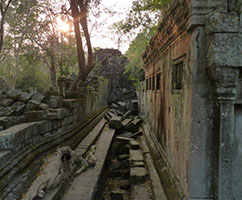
x=84 y=145
x=85 y=185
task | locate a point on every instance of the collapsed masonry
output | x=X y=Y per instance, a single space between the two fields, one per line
x=191 y=99
x=35 y=125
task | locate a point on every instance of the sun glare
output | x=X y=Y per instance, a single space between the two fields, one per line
x=63 y=26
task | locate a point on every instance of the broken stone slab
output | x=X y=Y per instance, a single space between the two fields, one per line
x=126 y=134
x=43 y=106
x=18 y=108
x=13 y=94
x=25 y=96
x=31 y=106
x=115 y=123
x=38 y=97
x=137 y=134
x=134 y=144
x=136 y=155
x=126 y=122
x=6 y=102
x=127 y=114
x=137 y=175
x=123 y=156
x=7 y=111
x=113 y=105
x=34 y=116
x=123 y=139
x=121 y=106
x=137 y=164
x=117 y=194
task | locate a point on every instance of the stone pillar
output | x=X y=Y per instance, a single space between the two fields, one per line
x=226 y=81
x=222 y=30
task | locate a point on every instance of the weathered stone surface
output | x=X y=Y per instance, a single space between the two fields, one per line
x=137 y=175
x=6 y=102
x=43 y=106
x=117 y=194
x=58 y=113
x=18 y=108
x=70 y=103
x=31 y=106
x=134 y=144
x=55 y=101
x=25 y=96
x=140 y=192
x=34 y=116
x=115 y=122
x=136 y=155
x=13 y=94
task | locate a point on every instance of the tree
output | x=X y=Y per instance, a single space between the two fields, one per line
x=144 y=14
x=4 y=5
x=79 y=9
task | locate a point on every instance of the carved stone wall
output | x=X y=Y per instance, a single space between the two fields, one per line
x=191 y=99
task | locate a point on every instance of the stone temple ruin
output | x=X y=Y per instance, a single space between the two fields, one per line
x=191 y=99
x=190 y=105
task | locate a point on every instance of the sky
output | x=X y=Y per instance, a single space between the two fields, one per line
x=103 y=36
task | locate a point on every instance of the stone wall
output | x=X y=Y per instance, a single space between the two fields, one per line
x=23 y=145
x=191 y=65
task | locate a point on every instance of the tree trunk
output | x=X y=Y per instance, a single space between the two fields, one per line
x=53 y=72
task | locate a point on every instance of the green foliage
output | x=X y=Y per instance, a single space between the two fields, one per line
x=134 y=54
x=33 y=74
x=143 y=14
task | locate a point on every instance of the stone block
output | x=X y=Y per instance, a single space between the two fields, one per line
x=18 y=108
x=13 y=94
x=127 y=114
x=38 y=97
x=55 y=101
x=6 y=102
x=34 y=116
x=58 y=113
x=117 y=194
x=134 y=144
x=31 y=105
x=17 y=137
x=221 y=22
x=4 y=122
x=115 y=122
x=43 y=106
x=137 y=175
x=70 y=103
x=136 y=155
x=25 y=96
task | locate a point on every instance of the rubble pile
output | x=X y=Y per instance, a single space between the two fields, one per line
x=16 y=104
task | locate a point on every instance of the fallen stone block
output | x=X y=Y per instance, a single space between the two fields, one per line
x=137 y=164
x=124 y=139
x=13 y=94
x=18 y=108
x=127 y=114
x=134 y=144
x=136 y=155
x=137 y=175
x=43 y=106
x=6 y=102
x=31 y=106
x=4 y=123
x=126 y=122
x=117 y=194
x=58 y=113
x=25 y=96
x=137 y=134
x=121 y=106
x=115 y=123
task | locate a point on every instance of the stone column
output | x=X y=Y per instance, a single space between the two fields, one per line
x=226 y=80
x=222 y=30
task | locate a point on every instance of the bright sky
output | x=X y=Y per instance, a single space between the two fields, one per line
x=103 y=37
